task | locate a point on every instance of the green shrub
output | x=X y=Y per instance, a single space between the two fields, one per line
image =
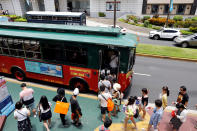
x=101 y=14
x=145 y=18
x=194 y=24
x=186 y=32
x=193 y=29
x=150 y=26
x=156 y=27
x=20 y=20
x=188 y=19
x=122 y=20
x=183 y=24
x=178 y=18
x=135 y=20
x=146 y=23
x=131 y=17
x=194 y=18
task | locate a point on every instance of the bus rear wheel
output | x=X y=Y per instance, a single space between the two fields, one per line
x=19 y=75
x=81 y=85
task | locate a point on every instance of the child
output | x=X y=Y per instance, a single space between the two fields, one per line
x=75 y=108
x=61 y=97
x=165 y=94
x=44 y=108
x=130 y=112
x=103 y=97
x=116 y=98
x=156 y=116
x=144 y=102
x=106 y=125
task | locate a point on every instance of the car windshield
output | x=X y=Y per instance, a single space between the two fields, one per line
x=159 y=30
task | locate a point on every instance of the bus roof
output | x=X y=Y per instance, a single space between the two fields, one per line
x=127 y=40
x=50 y=13
x=38 y=26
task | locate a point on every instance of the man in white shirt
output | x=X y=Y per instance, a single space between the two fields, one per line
x=103 y=97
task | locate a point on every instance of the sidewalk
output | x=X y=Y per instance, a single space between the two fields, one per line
x=91 y=118
x=103 y=22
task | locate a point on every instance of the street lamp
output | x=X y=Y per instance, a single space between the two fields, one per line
x=169 y=11
x=114 y=13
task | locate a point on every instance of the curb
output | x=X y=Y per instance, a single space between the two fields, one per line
x=167 y=57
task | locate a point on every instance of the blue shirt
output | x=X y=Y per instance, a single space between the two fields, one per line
x=156 y=117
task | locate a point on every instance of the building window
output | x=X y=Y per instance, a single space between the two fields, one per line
x=181 y=9
x=166 y=9
x=155 y=9
x=110 y=6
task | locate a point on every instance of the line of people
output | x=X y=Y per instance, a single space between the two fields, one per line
x=134 y=105
x=21 y=114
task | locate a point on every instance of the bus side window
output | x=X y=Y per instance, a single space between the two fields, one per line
x=5 y=47
x=131 y=59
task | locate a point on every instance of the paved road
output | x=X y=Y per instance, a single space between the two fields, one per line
x=146 y=40
x=153 y=73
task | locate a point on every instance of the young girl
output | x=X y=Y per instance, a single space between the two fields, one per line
x=165 y=94
x=144 y=102
x=130 y=111
x=45 y=112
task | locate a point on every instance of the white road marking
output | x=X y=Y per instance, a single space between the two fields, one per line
x=142 y=74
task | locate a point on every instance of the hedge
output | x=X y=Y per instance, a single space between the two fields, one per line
x=193 y=29
x=101 y=14
x=178 y=18
x=161 y=21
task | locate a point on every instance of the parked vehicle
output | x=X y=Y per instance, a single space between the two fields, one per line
x=4 y=19
x=166 y=33
x=185 y=41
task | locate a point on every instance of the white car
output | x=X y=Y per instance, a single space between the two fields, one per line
x=122 y=29
x=166 y=33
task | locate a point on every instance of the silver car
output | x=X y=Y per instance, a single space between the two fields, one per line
x=185 y=41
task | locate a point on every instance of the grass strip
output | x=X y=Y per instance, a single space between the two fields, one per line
x=167 y=51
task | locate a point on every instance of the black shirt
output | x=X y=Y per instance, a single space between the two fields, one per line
x=74 y=105
x=60 y=98
x=182 y=98
x=144 y=99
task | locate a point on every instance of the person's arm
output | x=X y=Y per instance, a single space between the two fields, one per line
x=55 y=98
x=28 y=112
x=186 y=103
x=15 y=117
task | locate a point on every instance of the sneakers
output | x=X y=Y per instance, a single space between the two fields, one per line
x=35 y=115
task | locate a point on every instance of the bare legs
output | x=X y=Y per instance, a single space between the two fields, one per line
x=126 y=122
x=47 y=125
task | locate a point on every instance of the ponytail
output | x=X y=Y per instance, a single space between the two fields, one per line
x=167 y=90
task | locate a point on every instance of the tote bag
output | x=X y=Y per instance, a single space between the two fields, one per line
x=61 y=107
x=110 y=104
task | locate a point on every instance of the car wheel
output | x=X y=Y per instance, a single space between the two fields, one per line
x=156 y=37
x=184 y=45
x=174 y=38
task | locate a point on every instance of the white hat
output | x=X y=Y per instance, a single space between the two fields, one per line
x=76 y=92
x=116 y=86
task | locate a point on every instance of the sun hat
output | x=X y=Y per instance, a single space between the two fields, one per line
x=76 y=92
x=116 y=86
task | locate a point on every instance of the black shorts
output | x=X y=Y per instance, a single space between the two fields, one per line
x=46 y=116
x=103 y=110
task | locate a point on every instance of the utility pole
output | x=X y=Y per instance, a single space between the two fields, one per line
x=114 y=13
x=169 y=11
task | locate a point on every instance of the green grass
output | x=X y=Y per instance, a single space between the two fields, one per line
x=167 y=51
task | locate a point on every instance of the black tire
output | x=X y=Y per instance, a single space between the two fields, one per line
x=80 y=84
x=174 y=38
x=184 y=45
x=18 y=74
x=156 y=37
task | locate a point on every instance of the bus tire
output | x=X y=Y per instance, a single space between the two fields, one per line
x=18 y=74
x=79 y=83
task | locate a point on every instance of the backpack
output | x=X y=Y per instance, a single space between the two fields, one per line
x=110 y=104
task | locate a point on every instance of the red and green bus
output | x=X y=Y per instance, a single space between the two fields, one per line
x=62 y=54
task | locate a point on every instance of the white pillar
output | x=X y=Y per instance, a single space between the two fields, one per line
x=49 y=5
x=35 y=5
x=63 y=5
x=19 y=9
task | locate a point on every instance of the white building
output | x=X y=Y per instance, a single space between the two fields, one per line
x=93 y=7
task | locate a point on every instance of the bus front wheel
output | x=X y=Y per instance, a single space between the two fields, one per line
x=19 y=75
x=80 y=84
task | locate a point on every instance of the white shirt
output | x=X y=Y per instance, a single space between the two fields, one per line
x=42 y=110
x=102 y=100
x=114 y=61
x=131 y=109
x=183 y=115
x=21 y=114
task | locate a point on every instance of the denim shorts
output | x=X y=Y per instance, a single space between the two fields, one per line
x=31 y=106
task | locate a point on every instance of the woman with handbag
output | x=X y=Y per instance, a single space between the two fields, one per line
x=45 y=114
x=61 y=97
x=22 y=114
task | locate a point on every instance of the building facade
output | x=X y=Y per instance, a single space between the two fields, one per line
x=93 y=7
